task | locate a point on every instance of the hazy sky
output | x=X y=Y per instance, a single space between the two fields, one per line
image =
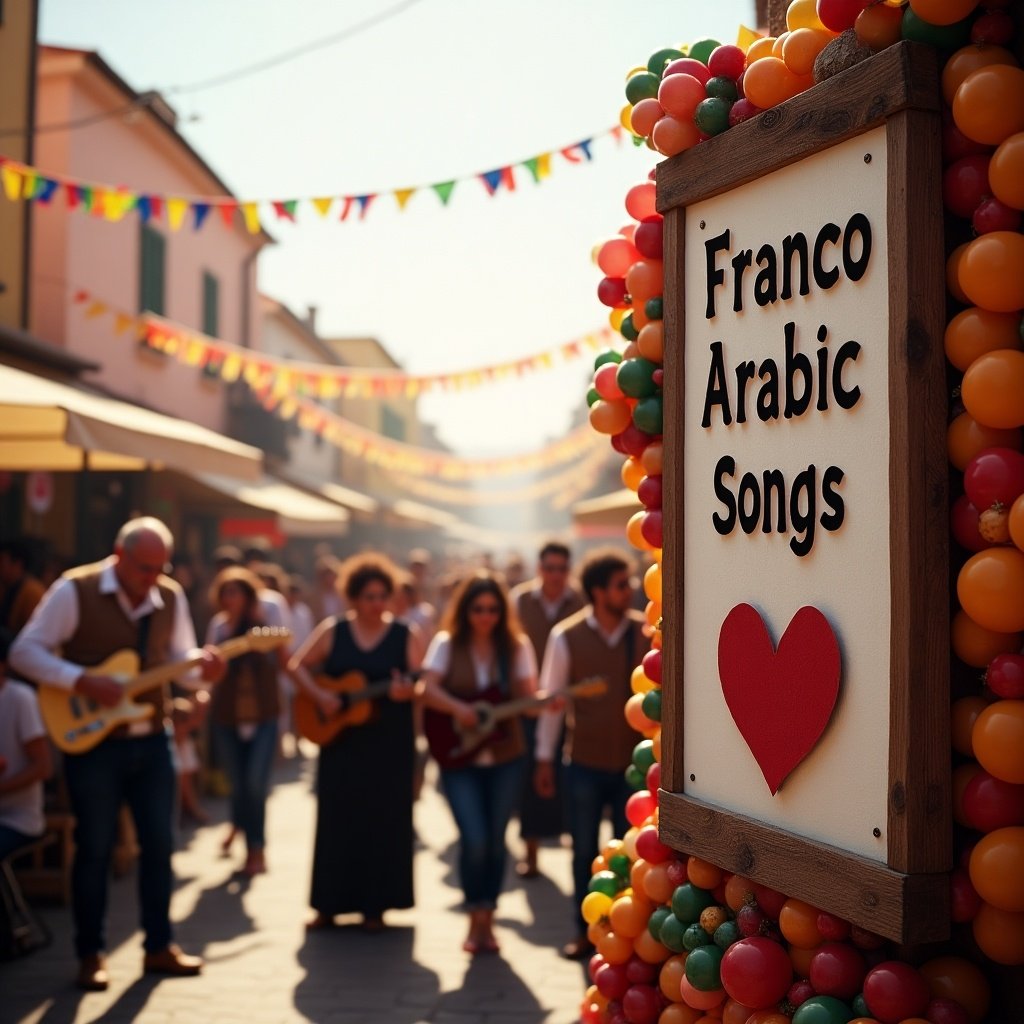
x=439 y=90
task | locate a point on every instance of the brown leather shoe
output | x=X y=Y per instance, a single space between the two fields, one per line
x=578 y=949
x=92 y=974
x=172 y=961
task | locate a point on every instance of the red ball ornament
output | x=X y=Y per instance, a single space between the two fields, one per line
x=994 y=476
x=611 y=981
x=756 y=972
x=837 y=969
x=641 y=1004
x=611 y=291
x=649 y=238
x=839 y=15
x=652 y=665
x=640 y=806
x=963 y=523
x=650 y=848
x=1004 y=676
x=651 y=528
x=640 y=201
x=634 y=441
x=965 y=184
x=649 y=492
x=990 y=803
x=993 y=215
x=894 y=991
x=946 y=1011
x=742 y=110
x=964 y=901
x=687 y=66
x=727 y=61
x=653 y=779
x=605 y=383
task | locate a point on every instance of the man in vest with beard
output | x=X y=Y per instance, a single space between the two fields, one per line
x=603 y=639
x=90 y=613
x=541 y=603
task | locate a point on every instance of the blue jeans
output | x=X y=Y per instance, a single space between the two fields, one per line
x=11 y=839
x=248 y=764
x=138 y=771
x=587 y=792
x=482 y=799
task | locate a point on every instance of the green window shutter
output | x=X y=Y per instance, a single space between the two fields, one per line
x=152 y=270
x=211 y=304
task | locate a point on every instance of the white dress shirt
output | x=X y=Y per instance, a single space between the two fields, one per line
x=56 y=618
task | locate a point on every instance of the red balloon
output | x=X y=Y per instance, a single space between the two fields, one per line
x=1004 y=676
x=770 y=901
x=652 y=665
x=687 y=66
x=634 y=440
x=839 y=15
x=946 y=1011
x=742 y=110
x=994 y=476
x=651 y=528
x=676 y=871
x=993 y=215
x=616 y=256
x=894 y=991
x=612 y=291
x=964 y=901
x=640 y=201
x=832 y=928
x=650 y=848
x=990 y=803
x=611 y=981
x=963 y=523
x=594 y=964
x=756 y=972
x=965 y=184
x=653 y=779
x=641 y=1004
x=649 y=492
x=639 y=807
x=640 y=972
x=837 y=969
x=605 y=382
x=649 y=238
x=727 y=61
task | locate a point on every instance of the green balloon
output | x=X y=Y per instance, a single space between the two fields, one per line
x=695 y=936
x=627 y=329
x=860 y=1006
x=702 y=49
x=820 y=1010
x=635 y=778
x=722 y=87
x=649 y=414
x=673 y=933
x=643 y=755
x=620 y=864
x=607 y=356
x=942 y=37
x=593 y=396
x=726 y=934
x=689 y=902
x=658 y=917
x=712 y=115
x=658 y=59
x=702 y=968
x=642 y=86
x=607 y=882
x=651 y=704
x=654 y=309
x=636 y=377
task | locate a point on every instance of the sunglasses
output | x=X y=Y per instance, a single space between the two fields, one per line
x=553 y=568
x=484 y=609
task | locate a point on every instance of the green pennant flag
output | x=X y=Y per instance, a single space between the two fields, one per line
x=533 y=166
x=289 y=205
x=444 y=190
x=87 y=197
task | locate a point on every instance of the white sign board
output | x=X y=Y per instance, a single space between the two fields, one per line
x=786 y=498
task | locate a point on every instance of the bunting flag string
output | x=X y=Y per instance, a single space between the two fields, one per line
x=21 y=181
x=328 y=381
x=277 y=395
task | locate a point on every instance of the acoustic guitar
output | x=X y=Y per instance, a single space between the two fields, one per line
x=453 y=746
x=76 y=723
x=355 y=693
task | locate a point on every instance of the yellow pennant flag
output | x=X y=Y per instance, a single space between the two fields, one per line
x=95 y=309
x=328 y=387
x=287 y=409
x=117 y=205
x=231 y=368
x=322 y=205
x=195 y=352
x=745 y=37
x=29 y=185
x=543 y=166
x=251 y=214
x=176 y=210
x=122 y=321
x=12 y=182
x=403 y=195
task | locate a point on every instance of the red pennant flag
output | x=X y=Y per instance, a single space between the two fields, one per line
x=156 y=207
x=227 y=213
x=282 y=210
x=72 y=193
x=508 y=178
x=346 y=207
x=80 y=296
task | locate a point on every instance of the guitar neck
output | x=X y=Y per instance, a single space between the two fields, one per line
x=161 y=674
x=509 y=708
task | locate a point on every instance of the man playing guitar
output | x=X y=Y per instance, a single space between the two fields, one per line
x=124 y=602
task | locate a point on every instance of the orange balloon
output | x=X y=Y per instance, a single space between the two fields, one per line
x=968 y=59
x=780 y=42
x=610 y=417
x=679 y=1013
x=953 y=273
x=652 y=582
x=801 y=960
x=652 y=458
x=976 y=331
x=1006 y=172
x=657 y=885
x=638 y=874
x=672 y=972
x=632 y=473
x=671 y=136
x=991 y=589
x=649 y=949
x=942 y=12
x=703 y=874
x=735 y=1013
x=802 y=47
x=699 y=999
x=976 y=646
x=991 y=269
x=597 y=930
x=952 y=977
x=616 y=949
x=629 y=915
x=989 y=104
x=635 y=715
x=965 y=438
x=879 y=26
x=651 y=341
x=768 y=82
x=963 y=714
x=798 y=922
x=1016 y=522
x=1000 y=934
x=962 y=776
x=998 y=740
x=997 y=868
x=633 y=534
x=738 y=892
x=645 y=280
x=644 y=116
x=760 y=48
x=769 y=1017
x=993 y=389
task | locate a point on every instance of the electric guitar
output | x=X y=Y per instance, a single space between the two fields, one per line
x=355 y=693
x=454 y=746
x=77 y=723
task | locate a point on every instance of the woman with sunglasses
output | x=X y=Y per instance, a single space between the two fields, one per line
x=362 y=859
x=481 y=652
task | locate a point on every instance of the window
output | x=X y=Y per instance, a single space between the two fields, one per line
x=211 y=304
x=152 y=269
x=391 y=424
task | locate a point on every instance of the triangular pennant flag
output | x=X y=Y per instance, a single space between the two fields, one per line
x=285 y=209
x=364 y=203
x=584 y=145
x=227 y=213
x=508 y=178
x=199 y=213
x=96 y=201
x=532 y=165
x=346 y=208
x=80 y=296
x=251 y=213
x=444 y=190
x=491 y=180
x=176 y=210
x=745 y=37
x=12 y=182
x=122 y=321
x=156 y=206
x=28 y=186
x=95 y=309
x=616 y=133
x=73 y=194
x=543 y=166
x=142 y=204
x=47 y=189
x=403 y=195
x=322 y=204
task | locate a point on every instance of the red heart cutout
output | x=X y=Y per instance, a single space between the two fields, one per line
x=781 y=699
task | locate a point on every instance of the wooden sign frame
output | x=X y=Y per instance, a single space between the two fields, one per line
x=906 y=899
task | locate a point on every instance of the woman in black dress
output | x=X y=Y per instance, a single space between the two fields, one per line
x=362 y=860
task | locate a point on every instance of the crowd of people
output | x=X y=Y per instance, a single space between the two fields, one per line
x=369 y=657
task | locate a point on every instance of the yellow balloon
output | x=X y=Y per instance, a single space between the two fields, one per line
x=633 y=534
x=632 y=473
x=595 y=905
x=629 y=842
x=652 y=583
x=653 y=613
x=640 y=69
x=803 y=14
x=615 y=318
x=638 y=682
x=626 y=117
x=594 y=250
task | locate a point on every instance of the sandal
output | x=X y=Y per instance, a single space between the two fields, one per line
x=320 y=923
x=526 y=870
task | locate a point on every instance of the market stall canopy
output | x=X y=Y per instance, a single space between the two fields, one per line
x=299 y=514
x=418 y=514
x=606 y=513
x=45 y=424
x=354 y=500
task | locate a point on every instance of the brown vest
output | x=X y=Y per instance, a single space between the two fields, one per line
x=104 y=629
x=530 y=608
x=248 y=692
x=598 y=735
x=506 y=742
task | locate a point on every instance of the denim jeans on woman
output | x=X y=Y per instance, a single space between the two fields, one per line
x=482 y=799
x=248 y=763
